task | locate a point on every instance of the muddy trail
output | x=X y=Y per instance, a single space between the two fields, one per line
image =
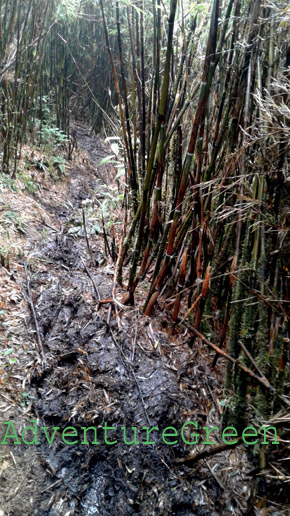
x=102 y=366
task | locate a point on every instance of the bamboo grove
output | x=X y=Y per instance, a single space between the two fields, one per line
x=199 y=95
x=49 y=59
x=207 y=155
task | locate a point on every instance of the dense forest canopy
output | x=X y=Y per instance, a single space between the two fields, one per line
x=195 y=96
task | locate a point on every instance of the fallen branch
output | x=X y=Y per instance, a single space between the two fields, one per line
x=247 y=353
x=93 y=282
x=86 y=235
x=263 y=381
x=126 y=362
x=191 y=308
x=259 y=296
x=209 y=452
x=106 y=242
x=33 y=311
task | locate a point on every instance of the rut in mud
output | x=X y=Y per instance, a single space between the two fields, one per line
x=92 y=378
x=100 y=368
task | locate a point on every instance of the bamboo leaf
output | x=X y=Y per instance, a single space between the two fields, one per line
x=108 y=159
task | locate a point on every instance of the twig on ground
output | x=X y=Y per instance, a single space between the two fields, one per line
x=134 y=341
x=33 y=311
x=133 y=374
x=218 y=409
x=106 y=243
x=93 y=282
x=86 y=235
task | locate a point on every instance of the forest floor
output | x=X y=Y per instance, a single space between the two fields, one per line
x=78 y=362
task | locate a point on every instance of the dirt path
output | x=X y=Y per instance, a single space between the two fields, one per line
x=102 y=365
